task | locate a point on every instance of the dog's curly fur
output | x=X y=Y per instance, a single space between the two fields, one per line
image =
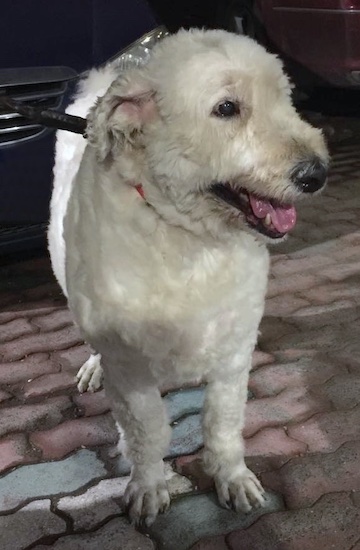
x=172 y=287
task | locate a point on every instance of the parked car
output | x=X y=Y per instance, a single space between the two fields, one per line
x=318 y=39
x=44 y=48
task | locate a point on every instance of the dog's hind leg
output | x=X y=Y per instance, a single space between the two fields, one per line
x=237 y=487
x=138 y=408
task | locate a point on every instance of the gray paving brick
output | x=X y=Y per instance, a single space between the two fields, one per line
x=28 y=525
x=49 y=478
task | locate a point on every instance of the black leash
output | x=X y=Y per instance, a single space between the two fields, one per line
x=45 y=117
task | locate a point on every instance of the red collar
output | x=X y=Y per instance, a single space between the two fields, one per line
x=140 y=190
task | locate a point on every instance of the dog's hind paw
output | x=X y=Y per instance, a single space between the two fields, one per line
x=90 y=375
x=241 y=493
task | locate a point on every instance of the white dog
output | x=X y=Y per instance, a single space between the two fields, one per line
x=192 y=163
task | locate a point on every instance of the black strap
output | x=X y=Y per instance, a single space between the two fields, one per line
x=45 y=117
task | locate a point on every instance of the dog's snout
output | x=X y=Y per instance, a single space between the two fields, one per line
x=309 y=176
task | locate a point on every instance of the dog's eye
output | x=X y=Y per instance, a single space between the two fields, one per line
x=227 y=109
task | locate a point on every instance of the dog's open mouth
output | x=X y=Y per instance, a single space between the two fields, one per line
x=268 y=216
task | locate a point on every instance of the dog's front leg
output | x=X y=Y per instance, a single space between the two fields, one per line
x=138 y=408
x=237 y=487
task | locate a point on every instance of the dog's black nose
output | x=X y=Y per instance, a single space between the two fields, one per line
x=309 y=176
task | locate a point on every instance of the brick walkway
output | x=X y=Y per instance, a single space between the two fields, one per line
x=60 y=481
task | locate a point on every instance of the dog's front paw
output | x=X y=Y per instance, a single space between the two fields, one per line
x=145 y=501
x=90 y=375
x=241 y=491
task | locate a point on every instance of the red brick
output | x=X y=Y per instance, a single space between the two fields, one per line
x=273 y=441
x=4 y=396
x=304 y=480
x=25 y=311
x=261 y=358
x=14 y=450
x=26 y=369
x=191 y=467
x=279 y=306
x=273 y=379
x=30 y=417
x=15 y=329
x=91 y=404
x=49 y=383
x=215 y=543
x=331 y=524
x=292 y=405
x=54 y=320
x=73 y=358
x=290 y=266
x=70 y=435
x=60 y=339
x=289 y=285
x=342 y=390
x=327 y=431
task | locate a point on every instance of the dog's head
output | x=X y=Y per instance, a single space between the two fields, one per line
x=211 y=122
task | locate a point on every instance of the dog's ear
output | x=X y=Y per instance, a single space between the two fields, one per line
x=120 y=115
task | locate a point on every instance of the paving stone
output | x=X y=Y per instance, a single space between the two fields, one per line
x=73 y=358
x=289 y=266
x=327 y=431
x=261 y=358
x=331 y=524
x=42 y=342
x=192 y=467
x=215 y=543
x=97 y=504
x=49 y=478
x=4 y=396
x=28 y=525
x=91 y=404
x=29 y=417
x=48 y=384
x=343 y=390
x=292 y=284
x=186 y=436
x=14 y=450
x=304 y=480
x=14 y=329
x=72 y=434
x=26 y=369
x=184 y=402
x=202 y=516
x=177 y=484
x=273 y=379
x=273 y=441
x=54 y=320
x=294 y=404
x=117 y=534
x=281 y=307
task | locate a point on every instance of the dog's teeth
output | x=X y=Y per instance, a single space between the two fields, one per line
x=267 y=220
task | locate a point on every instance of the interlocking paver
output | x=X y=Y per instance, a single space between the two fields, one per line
x=117 y=534
x=48 y=384
x=49 y=478
x=198 y=516
x=304 y=480
x=331 y=524
x=325 y=432
x=68 y=436
x=43 y=342
x=14 y=450
x=14 y=329
x=28 y=417
x=26 y=369
x=28 y=525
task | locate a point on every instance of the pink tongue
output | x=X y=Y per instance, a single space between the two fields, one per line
x=283 y=217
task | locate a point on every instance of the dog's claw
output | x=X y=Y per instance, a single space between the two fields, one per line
x=243 y=493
